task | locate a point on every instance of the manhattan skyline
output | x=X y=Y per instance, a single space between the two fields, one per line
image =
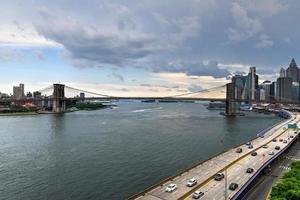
x=146 y=47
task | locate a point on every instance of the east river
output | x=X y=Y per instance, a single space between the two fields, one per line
x=112 y=153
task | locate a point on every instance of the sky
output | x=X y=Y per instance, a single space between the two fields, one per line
x=144 y=47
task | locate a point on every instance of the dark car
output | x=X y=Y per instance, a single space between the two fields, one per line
x=277 y=147
x=218 y=176
x=233 y=186
x=274 y=140
x=250 y=146
x=254 y=154
x=249 y=170
x=239 y=150
x=291 y=136
x=280 y=140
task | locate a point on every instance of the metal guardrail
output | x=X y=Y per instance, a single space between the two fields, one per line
x=264 y=166
x=161 y=183
x=210 y=178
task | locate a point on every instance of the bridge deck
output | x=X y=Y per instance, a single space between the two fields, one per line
x=235 y=164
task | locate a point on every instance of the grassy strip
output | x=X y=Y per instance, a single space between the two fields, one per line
x=18 y=113
x=289 y=187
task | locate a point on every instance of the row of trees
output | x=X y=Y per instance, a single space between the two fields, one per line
x=289 y=187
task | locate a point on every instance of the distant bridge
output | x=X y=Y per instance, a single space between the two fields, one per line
x=56 y=95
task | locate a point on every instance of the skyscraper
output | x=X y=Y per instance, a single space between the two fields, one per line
x=18 y=91
x=284 y=89
x=293 y=71
x=251 y=85
x=282 y=72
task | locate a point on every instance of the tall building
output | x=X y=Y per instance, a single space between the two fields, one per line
x=18 y=91
x=295 y=92
x=273 y=91
x=251 y=85
x=293 y=71
x=266 y=87
x=239 y=82
x=284 y=89
x=282 y=72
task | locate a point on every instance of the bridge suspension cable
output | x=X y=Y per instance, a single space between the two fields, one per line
x=85 y=91
x=200 y=91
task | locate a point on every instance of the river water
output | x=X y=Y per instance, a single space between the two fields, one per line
x=112 y=153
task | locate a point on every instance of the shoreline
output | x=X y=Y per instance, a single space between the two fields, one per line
x=18 y=114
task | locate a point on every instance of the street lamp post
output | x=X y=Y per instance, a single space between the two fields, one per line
x=225 y=189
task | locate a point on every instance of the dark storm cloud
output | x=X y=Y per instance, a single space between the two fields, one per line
x=152 y=34
x=209 y=68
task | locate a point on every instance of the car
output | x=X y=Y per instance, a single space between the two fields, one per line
x=248 y=143
x=265 y=146
x=171 y=187
x=218 y=176
x=254 y=154
x=274 y=140
x=280 y=140
x=249 y=170
x=277 y=147
x=191 y=182
x=197 y=194
x=291 y=136
x=271 y=153
x=239 y=150
x=262 y=136
x=250 y=146
x=233 y=186
x=285 y=141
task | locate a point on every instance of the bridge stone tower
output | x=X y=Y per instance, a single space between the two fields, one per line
x=231 y=105
x=59 y=104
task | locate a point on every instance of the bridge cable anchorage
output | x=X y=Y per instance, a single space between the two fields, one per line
x=188 y=93
x=85 y=91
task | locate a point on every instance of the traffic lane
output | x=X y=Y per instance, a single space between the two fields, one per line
x=215 y=189
x=181 y=183
x=278 y=132
x=263 y=185
x=237 y=173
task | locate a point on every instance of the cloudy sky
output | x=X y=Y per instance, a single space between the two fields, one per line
x=143 y=47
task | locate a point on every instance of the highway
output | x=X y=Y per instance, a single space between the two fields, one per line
x=231 y=163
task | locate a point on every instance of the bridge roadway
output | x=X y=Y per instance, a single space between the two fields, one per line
x=235 y=164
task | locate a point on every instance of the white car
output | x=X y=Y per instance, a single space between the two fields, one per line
x=197 y=194
x=191 y=182
x=171 y=187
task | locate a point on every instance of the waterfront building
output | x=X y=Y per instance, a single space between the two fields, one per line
x=82 y=95
x=284 y=89
x=273 y=91
x=266 y=87
x=37 y=94
x=293 y=71
x=262 y=94
x=239 y=82
x=29 y=95
x=18 y=91
x=295 y=92
x=251 y=85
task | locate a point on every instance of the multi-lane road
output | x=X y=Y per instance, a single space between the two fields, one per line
x=232 y=164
